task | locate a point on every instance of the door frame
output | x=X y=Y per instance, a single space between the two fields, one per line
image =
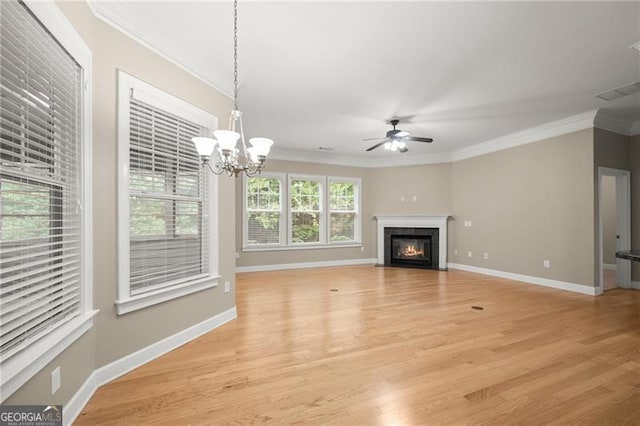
x=623 y=225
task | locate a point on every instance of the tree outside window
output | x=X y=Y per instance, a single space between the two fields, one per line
x=342 y=211
x=263 y=210
x=305 y=210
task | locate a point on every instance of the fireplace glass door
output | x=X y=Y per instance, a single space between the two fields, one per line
x=411 y=250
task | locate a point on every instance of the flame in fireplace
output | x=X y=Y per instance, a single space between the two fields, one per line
x=411 y=251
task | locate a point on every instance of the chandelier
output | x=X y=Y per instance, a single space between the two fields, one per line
x=221 y=153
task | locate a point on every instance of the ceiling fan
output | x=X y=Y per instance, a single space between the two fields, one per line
x=396 y=139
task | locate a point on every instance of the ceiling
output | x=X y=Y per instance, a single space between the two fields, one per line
x=328 y=74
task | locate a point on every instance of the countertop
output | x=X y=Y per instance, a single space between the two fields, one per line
x=629 y=254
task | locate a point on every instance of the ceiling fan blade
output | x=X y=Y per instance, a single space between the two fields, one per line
x=417 y=139
x=374 y=139
x=377 y=145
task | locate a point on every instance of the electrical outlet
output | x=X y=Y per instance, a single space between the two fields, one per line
x=56 y=380
x=237 y=255
x=469 y=254
x=415 y=198
x=362 y=248
x=402 y=198
x=469 y=225
x=227 y=286
x=455 y=252
x=547 y=264
x=485 y=255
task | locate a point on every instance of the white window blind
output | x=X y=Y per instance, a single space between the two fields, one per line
x=263 y=210
x=169 y=233
x=40 y=181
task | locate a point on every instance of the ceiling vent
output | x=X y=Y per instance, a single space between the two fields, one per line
x=620 y=92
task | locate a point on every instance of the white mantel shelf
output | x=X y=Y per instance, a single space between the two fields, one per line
x=414 y=221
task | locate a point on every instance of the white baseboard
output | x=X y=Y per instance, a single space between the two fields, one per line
x=123 y=365
x=282 y=266
x=609 y=266
x=635 y=284
x=560 y=285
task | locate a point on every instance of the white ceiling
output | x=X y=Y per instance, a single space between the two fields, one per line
x=328 y=74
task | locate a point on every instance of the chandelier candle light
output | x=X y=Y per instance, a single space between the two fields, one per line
x=227 y=157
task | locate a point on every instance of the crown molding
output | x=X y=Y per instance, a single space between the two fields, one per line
x=358 y=161
x=533 y=134
x=109 y=17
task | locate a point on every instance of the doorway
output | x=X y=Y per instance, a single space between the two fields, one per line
x=614 y=220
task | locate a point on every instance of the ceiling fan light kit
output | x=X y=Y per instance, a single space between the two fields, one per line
x=227 y=157
x=396 y=139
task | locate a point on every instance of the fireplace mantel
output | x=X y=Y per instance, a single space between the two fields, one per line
x=414 y=221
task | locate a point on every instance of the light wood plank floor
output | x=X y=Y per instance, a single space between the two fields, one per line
x=394 y=346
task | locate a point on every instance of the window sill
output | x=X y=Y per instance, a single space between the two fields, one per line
x=164 y=294
x=302 y=247
x=21 y=367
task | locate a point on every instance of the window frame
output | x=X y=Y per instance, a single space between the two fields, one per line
x=19 y=368
x=357 y=205
x=126 y=301
x=322 y=212
x=282 y=178
x=286 y=211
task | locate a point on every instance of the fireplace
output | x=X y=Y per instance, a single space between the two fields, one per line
x=422 y=240
x=411 y=247
x=408 y=250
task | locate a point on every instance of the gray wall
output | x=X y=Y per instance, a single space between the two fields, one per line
x=526 y=205
x=635 y=201
x=112 y=336
x=609 y=150
x=430 y=184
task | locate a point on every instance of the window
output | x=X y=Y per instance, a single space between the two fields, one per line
x=306 y=215
x=343 y=210
x=167 y=216
x=263 y=210
x=45 y=183
x=320 y=211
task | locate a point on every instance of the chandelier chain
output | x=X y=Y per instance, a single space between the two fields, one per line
x=222 y=154
x=235 y=54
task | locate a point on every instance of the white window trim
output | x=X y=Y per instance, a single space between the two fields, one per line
x=285 y=215
x=358 y=207
x=21 y=367
x=147 y=93
x=305 y=247
x=323 y=210
x=282 y=177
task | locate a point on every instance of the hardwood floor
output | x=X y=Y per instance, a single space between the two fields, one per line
x=394 y=346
